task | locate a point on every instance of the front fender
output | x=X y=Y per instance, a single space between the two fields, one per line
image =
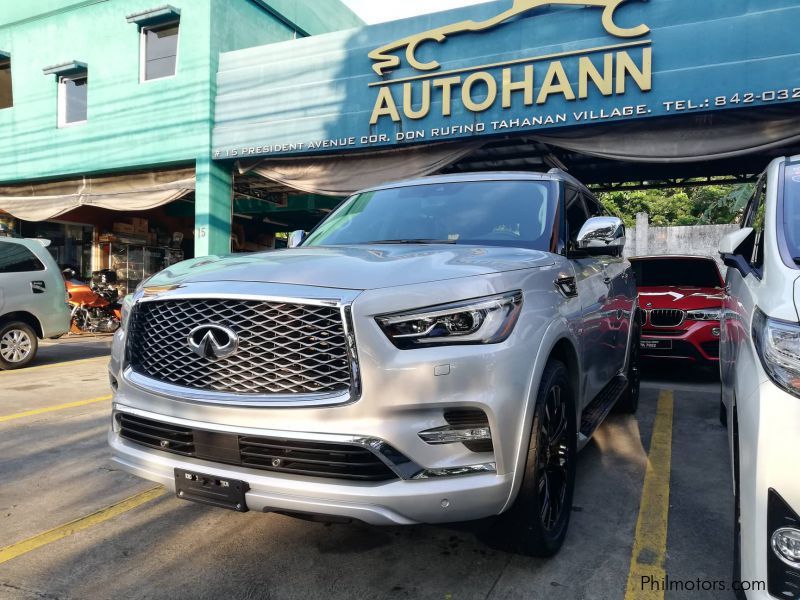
x=558 y=330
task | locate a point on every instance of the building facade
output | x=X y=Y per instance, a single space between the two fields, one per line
x=614 y=92
x=109 y=104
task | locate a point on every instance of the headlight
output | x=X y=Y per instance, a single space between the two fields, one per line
x=704 y=314
x=125 y=308
x=778 y=346
x=488 y=320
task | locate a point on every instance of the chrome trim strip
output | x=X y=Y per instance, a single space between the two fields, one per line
x=458 y=471
x=352 y=352
x=438 y=436
x=184 y=394
x=247 y=290
x=187 y=295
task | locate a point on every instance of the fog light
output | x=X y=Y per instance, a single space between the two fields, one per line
x=786 y=546
x=715 y=332
x=451 y=435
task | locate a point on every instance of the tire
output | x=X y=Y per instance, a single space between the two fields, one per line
x=535 y=525
x=628 y=402
x=18 y=345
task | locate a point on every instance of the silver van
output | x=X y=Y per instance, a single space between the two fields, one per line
x=33 y=300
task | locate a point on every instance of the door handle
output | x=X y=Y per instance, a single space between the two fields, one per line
x=38 y=287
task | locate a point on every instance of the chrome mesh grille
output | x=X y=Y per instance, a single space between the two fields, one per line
x=666 y=317
x=283 y=348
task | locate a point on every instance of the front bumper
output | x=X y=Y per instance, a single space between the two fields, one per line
x=402 y=394
x=693 y=341
x=768 y=432
x=396 y=502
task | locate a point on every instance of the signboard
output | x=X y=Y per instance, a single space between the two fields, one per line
x=505 y=68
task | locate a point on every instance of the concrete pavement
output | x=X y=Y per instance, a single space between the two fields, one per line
x=54 y=469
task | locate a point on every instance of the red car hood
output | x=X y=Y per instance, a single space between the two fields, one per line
x=682 y=298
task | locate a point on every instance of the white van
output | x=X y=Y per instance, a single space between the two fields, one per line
x=760 y=367
x=33 y=300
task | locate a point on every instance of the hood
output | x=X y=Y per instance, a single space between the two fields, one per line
x=680 y=297
x=355 y=267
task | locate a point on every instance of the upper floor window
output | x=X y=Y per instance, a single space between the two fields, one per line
x=159 y=50
x=73 y=95
x=158 y=46
x=72 y=79
x=6 y=93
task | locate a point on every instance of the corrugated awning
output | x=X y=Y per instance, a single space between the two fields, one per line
x=128 y=192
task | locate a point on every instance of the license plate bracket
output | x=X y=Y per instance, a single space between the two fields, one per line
x=209 y=489
x=656 y=344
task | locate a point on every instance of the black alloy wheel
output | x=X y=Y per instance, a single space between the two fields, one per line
x=554 y=459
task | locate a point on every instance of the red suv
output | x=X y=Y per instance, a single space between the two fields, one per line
x=681 y=302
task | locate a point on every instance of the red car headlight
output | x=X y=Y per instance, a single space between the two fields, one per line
x=704 y=314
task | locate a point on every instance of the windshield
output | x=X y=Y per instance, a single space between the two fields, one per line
x=488 y=213
x=683 y=272
x=791 y=210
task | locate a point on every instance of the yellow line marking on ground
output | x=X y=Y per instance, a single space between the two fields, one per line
x=647 y=574
x=63 y=363
x=62 y=531
x=47 y=409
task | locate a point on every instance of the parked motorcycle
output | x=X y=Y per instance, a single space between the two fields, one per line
x=95 y=305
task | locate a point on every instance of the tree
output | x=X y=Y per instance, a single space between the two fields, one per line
x=707 y=205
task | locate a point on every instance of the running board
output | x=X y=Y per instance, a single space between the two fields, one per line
x=594 y=414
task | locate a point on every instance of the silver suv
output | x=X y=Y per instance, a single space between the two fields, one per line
x=33 y=300
x=435 y=350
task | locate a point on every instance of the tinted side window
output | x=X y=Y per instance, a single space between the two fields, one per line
x=594 y=207
x=576 y=215
x=755 y=218
x=16 y=258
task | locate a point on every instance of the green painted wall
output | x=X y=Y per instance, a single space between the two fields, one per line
x=132 y=124
x=316 y=16
x=14 y=11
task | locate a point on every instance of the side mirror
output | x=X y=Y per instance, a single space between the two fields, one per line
x=296 y=238
x=730 y=249
x=602 y=236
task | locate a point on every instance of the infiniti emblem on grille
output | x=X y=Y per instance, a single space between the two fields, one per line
x=213 y=341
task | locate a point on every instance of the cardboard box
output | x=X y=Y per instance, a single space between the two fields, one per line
x=139 y=225
x=122 y=228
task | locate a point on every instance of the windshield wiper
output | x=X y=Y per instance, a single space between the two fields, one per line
x=411 y=241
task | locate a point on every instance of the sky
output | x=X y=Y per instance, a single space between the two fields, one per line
x=378 y=11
